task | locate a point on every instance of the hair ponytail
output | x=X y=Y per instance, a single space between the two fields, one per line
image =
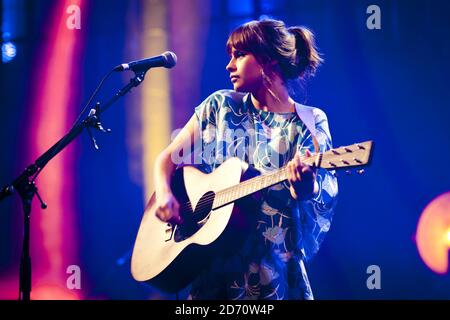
x=308 y=58
x=269 y=40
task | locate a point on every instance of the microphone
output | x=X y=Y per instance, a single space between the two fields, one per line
x=167 y=60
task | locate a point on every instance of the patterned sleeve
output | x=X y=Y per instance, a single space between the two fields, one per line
x=206 y=113
x=316 y=213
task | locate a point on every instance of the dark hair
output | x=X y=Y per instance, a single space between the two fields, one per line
x=269 y=40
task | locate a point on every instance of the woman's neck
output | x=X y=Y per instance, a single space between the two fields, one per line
x=273 y=99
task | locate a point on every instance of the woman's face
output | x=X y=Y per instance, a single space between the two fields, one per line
x=245 y=71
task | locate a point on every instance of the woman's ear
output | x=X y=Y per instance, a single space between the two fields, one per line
x=271 y=69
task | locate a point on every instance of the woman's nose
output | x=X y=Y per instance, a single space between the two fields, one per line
x=230 y=66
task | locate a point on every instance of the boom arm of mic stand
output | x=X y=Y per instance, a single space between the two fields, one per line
x=27 y=189
x=63 y=142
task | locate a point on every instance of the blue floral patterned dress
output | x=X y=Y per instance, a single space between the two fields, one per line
x=288 y=231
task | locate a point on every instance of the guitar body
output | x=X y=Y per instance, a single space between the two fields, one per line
x=168 y=256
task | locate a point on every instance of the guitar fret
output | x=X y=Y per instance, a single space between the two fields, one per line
x=252 y=187
x=245 y=188
x=331 y=159
x=216 y=200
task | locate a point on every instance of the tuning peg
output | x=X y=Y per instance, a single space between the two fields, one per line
x=332 y=164
x=361 y=171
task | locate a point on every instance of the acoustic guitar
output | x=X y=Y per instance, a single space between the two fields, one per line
x=169 y=256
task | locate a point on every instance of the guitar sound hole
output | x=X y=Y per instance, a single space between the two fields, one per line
x=194 y=220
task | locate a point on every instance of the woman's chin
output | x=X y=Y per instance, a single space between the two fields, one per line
x=238 y=88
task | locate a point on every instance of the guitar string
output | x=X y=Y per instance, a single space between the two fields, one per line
x=203 y=203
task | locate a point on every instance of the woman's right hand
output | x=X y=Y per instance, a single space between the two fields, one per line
x=167 y=208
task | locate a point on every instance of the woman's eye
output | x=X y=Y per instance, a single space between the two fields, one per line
x=238 y=54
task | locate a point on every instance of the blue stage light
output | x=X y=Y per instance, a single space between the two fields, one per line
x=9 y=51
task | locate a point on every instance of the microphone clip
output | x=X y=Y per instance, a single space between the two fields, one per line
x=93 y=121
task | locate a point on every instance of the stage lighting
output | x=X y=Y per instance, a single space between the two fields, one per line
x=433 y=234
x=9 y=52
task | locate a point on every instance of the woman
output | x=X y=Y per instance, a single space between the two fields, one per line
x=293 y=217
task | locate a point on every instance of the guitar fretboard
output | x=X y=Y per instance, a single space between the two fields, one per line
x=355 y=155
x=250 y=186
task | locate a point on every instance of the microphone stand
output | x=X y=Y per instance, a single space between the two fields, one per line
x=25 y=186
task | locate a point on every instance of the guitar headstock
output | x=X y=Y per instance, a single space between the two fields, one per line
x=355 y=155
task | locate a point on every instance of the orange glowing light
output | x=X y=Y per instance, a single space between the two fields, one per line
x=448 y=237
x=54 y=291
x=433 y=234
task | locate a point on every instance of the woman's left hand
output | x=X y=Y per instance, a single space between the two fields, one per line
x=302 y=178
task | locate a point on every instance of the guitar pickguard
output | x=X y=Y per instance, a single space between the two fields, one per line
x=193 y=219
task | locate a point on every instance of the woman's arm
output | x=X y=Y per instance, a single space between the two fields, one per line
x=316 y=212
x=302 y=178
x=166 y=204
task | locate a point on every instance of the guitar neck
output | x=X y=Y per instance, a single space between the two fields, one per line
x=253 y=185
x=355 y=155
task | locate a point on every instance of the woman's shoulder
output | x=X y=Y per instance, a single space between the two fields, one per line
x=227 y=96
x=221 y=100
x=311 y=116
x=316 y=111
